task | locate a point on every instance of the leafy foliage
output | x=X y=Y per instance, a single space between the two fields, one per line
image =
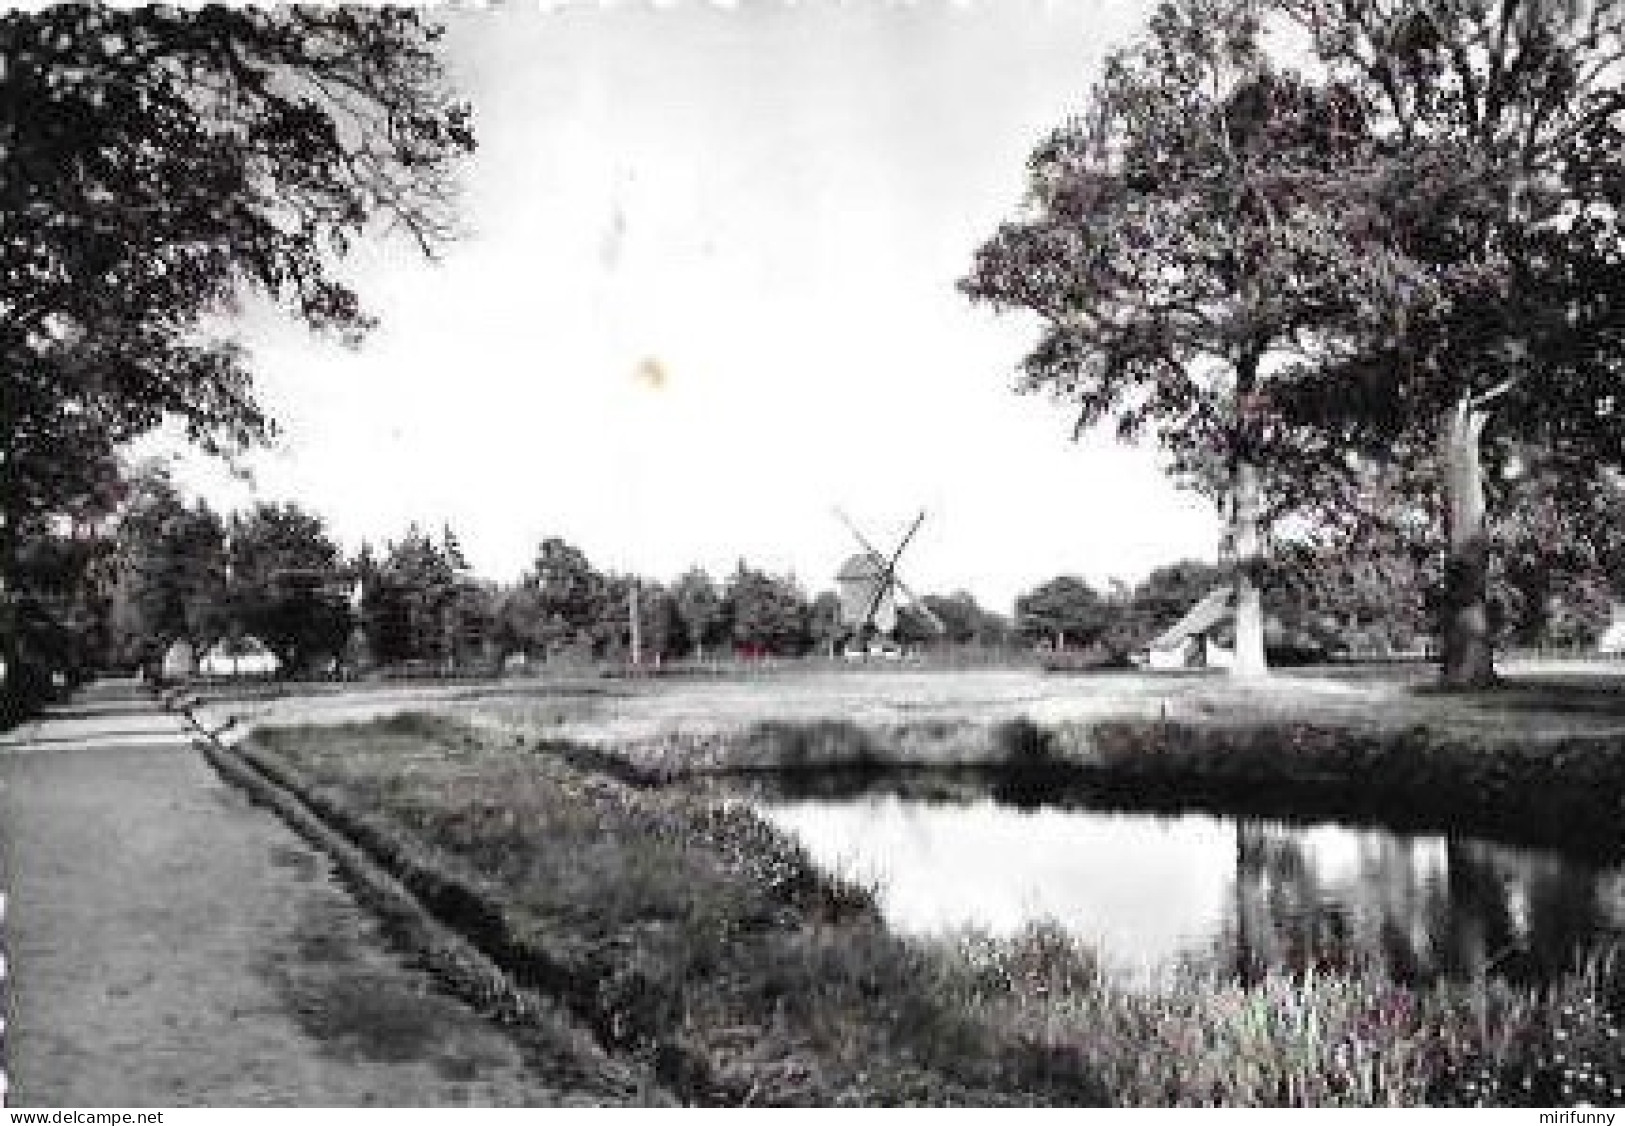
x=409 y=601
x=156 y=163
x=1496 y=132
x=765 y=613
x=825 y=626
x=1182 y=247
x=1168 y=592
x=157 y=159
x=965 y=621
x=1176 y=237
x=171 y=576
x=571 y=594
x=1063 y=611
x=699 y=605
x=286 y=583
x=1559 y=549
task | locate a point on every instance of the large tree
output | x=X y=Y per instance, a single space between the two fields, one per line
x=699 y=605
x=287 y=584
x=1065 y=611
x=518 y=621
x=1499 y=128
x=573 y=596
x=1556 y=549
x=410 y=603
x=824 y=624
x=1176 y=246
x=471 y=624
x=660 y=628
x=765 y=613
x=169 y=578
x=155 y=162
x=1559 y=554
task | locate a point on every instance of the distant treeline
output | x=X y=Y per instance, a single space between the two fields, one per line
x=156 y=567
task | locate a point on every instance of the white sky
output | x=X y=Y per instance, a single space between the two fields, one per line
x=773 y=203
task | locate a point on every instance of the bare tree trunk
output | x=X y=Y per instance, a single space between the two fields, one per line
x=1247 y=537
x=1465 y=618
x=635 y=613
x=10 y=649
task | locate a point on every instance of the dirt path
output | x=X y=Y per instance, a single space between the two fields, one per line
x=172 y=945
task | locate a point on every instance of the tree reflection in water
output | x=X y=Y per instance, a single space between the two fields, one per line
x=1151 y=890
x=1414 y=907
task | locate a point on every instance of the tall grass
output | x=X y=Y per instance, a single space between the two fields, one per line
x=1309 y=1039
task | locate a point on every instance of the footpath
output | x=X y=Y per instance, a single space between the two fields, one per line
x=168 y=943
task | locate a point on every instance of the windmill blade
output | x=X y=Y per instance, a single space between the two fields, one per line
x=891 y=565
x=857 y=535
x=886 y=581
x=918 y=603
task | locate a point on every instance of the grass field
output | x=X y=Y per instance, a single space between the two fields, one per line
x=1541 y=700
x=1536 y=761
x=686 y=932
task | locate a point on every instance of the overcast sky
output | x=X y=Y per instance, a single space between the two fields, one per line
x=707 y=296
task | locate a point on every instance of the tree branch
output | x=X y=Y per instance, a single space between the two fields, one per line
x=1484 y=398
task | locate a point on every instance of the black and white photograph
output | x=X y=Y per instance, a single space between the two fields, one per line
x=812 y=553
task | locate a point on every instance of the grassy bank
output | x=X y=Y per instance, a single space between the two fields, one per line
x=1566 y=792
x=686 y=932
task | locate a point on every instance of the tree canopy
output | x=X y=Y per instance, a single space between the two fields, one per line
x=1286 y=266
x=765 y=613
x=169 y=582
x=287 y=583
x=1065 y=611
x=410 y=599
x=1498 y=153
x=1176 y=247
x=698 y=604
x=158 y=162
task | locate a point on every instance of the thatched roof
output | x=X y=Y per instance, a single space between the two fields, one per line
x=1200 y=619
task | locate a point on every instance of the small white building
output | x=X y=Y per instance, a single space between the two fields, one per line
x=1612 y=641
x=179 y=660
x=239 y=657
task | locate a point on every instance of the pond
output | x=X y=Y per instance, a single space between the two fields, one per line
x=1148 y=891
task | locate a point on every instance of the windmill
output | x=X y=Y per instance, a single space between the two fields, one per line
x=868 y=585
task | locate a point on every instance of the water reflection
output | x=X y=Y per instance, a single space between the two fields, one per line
x=1148 y=890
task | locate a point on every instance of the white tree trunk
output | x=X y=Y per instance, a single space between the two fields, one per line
x=1468 y=654
x=634 y=611
x=1247 y=536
